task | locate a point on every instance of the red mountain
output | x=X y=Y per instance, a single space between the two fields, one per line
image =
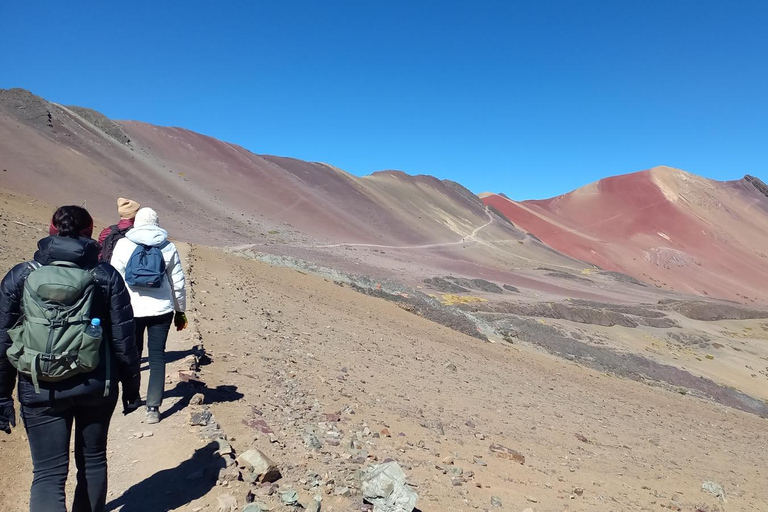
x=663 y=226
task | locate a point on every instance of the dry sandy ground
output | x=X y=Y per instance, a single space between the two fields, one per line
x=399 y=375
x=297 y=348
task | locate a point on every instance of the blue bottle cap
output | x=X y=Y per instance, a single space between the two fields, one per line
x=95 y=321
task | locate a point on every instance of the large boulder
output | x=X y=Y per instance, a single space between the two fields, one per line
x=260 y=467
x=384 y=486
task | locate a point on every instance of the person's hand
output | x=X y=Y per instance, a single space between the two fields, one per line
x=7 y=416
x=180 y=321
x=131 y=395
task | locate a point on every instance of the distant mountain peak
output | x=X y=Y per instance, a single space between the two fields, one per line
x=757 y=183
x=102 y=122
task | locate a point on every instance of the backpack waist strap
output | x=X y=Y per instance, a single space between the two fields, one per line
x=57 y=323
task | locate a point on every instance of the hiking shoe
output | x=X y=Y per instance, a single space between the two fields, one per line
x=153 y=415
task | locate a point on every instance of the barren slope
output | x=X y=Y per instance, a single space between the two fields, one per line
x=663 y=226
x=208 y=191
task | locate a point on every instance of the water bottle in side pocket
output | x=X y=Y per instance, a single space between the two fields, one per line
x=94 y=330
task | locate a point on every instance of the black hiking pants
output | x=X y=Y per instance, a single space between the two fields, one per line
x=49 y=430
x=157 y=328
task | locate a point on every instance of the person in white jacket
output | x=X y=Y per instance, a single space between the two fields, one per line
x=154 y=308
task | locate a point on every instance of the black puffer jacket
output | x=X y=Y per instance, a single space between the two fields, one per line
x=111 y=303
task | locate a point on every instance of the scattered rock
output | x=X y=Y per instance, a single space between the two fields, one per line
x=435 y=425
x=345 y=492
x=200 y=419
x=581 y=438
x=227 y=503
x=495 y=502
x=314 y=504
x=262 y=468
x=212 y=431
x=256 y=506
x=451 y=367
x=480 y=462
x=715 y=489
x=197 y=399
x=229 y=474
x=224 y=447
x=455 y=470
x=579 y=491
x=259 y=425
x=312 y=442
x=705 y=507
x=531 y=499
x=192 y=377
x=384 y=486
x=507 y=453
x=289 y=497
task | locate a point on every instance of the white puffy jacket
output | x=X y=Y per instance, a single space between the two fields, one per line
x=169 y=297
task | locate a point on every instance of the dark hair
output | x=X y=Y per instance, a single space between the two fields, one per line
x=72 y=221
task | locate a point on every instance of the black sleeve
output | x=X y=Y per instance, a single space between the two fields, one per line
x=123 y=329
x=10 y=311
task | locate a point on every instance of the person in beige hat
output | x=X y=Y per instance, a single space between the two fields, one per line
x=108 y=238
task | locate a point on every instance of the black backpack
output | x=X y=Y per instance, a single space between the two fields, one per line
x=110 y=242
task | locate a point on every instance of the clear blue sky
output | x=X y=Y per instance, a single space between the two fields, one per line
x=528 y=98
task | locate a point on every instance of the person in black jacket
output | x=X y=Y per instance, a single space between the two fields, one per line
x=50 y=414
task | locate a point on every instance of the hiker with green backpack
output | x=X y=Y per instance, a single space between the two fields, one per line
x=151 y=266
x=67 y=332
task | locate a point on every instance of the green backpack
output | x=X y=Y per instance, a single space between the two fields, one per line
x=50 y=342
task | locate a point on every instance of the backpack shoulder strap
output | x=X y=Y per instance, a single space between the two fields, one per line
x=65 y=264
x=114 y=229
x=31 y=267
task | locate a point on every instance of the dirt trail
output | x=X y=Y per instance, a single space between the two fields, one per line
x=468 y=239
x=148 y=464
x=138 y=466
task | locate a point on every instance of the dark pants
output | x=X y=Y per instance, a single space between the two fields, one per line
x=157 y=328
x=49 y=430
